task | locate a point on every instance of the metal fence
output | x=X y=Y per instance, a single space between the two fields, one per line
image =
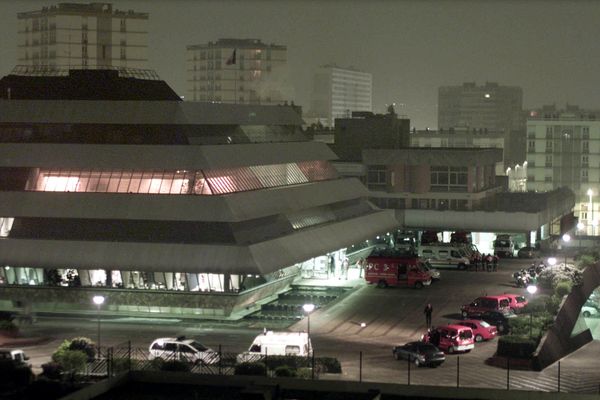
x=456 y=371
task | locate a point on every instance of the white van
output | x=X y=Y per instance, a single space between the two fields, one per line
x=445 y=256
x=271 y=343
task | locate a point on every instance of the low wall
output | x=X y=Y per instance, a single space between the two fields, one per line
x=127 y=302
x=558 y=340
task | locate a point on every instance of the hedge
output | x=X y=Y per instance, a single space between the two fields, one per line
x=253 y=368
x=514 y=346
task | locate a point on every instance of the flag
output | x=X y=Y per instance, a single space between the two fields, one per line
x=231 y=60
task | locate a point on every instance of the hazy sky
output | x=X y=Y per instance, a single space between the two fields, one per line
x=550 y=48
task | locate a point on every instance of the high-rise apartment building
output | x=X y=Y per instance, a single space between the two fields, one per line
x=82 y=36
x=337 y=92
x=238 y=71
x=563 y=149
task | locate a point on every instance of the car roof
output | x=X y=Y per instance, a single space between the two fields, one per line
x=472 y=321
x=457 y=327
x=172 y=339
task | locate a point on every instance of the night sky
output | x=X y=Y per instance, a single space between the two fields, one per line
x=549 y=48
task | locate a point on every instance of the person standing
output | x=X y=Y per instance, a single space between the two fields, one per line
x=428 y=311
x=495 y=262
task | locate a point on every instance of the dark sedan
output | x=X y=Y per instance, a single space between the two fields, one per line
x=498 y=319
x=421 y=354
x=528 y=252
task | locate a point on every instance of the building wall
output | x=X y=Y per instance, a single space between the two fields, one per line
x=61 y=36
x=337 y=92
x=258 y=76
x=564 y=150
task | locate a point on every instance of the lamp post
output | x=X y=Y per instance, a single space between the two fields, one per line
x=308 y=308
x=580 y=227
x=566 y=239
x=590 y=193
x=531 y=289
x=98 y=301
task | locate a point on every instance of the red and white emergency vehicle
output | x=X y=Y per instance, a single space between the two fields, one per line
x=387 y=267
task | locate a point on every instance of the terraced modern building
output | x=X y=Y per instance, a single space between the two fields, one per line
x=161 y=205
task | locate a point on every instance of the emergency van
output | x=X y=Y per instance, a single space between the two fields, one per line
x=390 y=268
x=445 y=255
x=270 y=343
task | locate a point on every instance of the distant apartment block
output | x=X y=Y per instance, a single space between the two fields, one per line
x=238 y=71
x=78 y=35
x=337 y=92
x=563 y=149
x=491 y=106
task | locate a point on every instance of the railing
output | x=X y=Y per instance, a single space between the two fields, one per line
x=457 y=371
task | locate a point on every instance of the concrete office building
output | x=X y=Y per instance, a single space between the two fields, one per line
x=166 y=207
x=80 y=35
x=563 y=149
x=461 y=137
x=238 y=71
x=337 y=92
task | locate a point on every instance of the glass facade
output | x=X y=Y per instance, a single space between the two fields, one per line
x=208 y=182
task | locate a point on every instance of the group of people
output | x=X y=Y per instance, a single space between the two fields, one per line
x=487 y=262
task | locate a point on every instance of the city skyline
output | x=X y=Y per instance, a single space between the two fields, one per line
x=411 y=48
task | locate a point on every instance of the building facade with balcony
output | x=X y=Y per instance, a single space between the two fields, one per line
x=563 y=150
x=166 y=207
x=238 y=71
x=75 y=35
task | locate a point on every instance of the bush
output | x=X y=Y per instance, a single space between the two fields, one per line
x=552 y=304
x=14 y=374
x=71 y=360
x=255 y=368
x=272 y=362
x=8 y=327
x=176 y=365
x=329 y=365
x=536 y=305
x=285 y=371
x=304 y=373
x=52 y=370
x=513 y=346
x=586 y=260
x=563 y=288
x=84 y=345
x=156 y=364
x=526 y=324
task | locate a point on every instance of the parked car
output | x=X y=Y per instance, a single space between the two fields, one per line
x=517 y=302
x=17 y=355
x=183 y=349
x=498 y=319
x=451 y=338
x=528 y=252
x=420 y=353
x=588 y=311
x=481 y=329
x=485 y=303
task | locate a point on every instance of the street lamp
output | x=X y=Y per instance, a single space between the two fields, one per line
x=531 y=289
x=566 y=239
x=308 y=308
x=590 y=193
x=98 y=301
x=552 y=262
x=580 y=227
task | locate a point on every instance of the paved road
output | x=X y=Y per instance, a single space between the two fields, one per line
x=392 y=316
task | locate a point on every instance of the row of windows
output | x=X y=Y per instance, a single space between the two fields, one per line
x=420 y=204
x=449 y=179
x=208 y=182
x=585 y=147
x=211 y=54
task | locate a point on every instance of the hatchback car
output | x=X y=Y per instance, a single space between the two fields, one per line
x=528 y=252
x=451 y=338
x=481 y=329
x=420 y=353
x=589 y=311
x=498 y=319
x=183 y=349
x=517 y=302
